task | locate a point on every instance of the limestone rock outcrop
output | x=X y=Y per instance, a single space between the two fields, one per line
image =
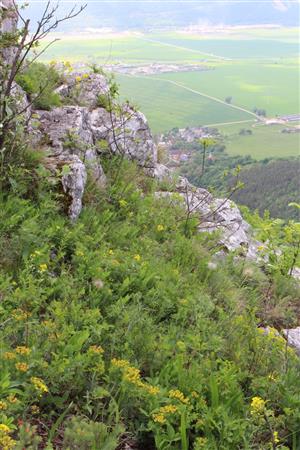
x=83 y=89
x=293 y=337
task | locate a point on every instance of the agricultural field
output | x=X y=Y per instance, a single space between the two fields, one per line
x=255 y=67
x=265 y=141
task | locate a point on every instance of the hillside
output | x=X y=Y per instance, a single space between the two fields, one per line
x=138 y=312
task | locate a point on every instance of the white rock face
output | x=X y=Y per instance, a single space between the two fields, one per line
x=127 y=133
x=73 y=185
x=293 y=338
x=83 y=88
x=65 y=126
x=214 y=214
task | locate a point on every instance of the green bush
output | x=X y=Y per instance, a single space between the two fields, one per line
x=39 y=81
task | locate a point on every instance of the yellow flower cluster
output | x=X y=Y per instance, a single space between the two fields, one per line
x=35 y=409
x=3 y=405
x=160 y=228
x=176 y=393
x=120 y=363
x=97 y=349
x=9 y=355
x=81 y=77
x=22 y=367
x=168 y=409
x=43 y=268
x=275 y=437
x=160 y=416
x=201 y=442
x=6 y=442
x=4 y=428
x=39 y=384
x=132 y=375
x=23 y=350
x=137 y=257
x=12 y=398
x=153 y=390
x=257 y=406
x=19 y=314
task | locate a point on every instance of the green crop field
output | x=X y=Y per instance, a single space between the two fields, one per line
x=265 y=141
x=256 y=67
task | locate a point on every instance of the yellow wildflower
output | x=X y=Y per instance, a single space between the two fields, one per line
x=168 y=409
x=153 y=390
x=257 y=405
x=275 y=437
x=35 y=409
x=9 y=355
x=67 y=64
x=22 y=367
x=121 y=363
x=7 y=443
x=85 y=76
x=39 y=384
x=272 y=377
x=3 y=405
x=132 y=375
x=201 y=442
x=159 y=418
x=176 y=393
x=110 y=252
x=123 y=203
x=137 y=257
x=78 y=79
x=4 y=428
x=97 y=349
x=43 y=267
x=23 y=350
x=19 y=314
x=12 y=398
x=160 y=228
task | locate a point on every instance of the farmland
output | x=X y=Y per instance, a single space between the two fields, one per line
x=254 y=67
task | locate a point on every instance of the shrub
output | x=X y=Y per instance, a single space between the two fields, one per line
x=39 y=81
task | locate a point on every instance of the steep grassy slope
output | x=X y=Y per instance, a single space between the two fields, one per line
x=117 y=329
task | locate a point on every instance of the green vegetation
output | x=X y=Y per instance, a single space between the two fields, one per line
x=279 y=183
x=39 y=81
x=103 y=341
